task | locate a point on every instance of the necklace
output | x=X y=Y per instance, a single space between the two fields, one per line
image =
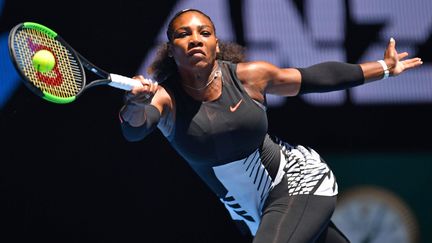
x=213 y=76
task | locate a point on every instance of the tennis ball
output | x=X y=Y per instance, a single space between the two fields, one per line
x=43 y=61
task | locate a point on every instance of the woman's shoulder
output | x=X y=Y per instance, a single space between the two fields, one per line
x=255 y=70
x=255 y=66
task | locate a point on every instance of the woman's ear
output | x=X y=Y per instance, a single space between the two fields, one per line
x=217 y=46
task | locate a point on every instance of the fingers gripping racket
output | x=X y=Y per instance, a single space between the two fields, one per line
x=51 y=68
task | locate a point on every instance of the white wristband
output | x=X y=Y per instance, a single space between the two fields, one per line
x=386 y=70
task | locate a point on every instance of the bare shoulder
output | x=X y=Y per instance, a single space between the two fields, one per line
x=266 y=77
x=257 y=69
x=256 y=73
x=255 y=76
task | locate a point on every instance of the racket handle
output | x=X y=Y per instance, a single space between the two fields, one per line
x=122 y=82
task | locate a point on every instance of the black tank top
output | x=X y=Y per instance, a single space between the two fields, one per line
x=208 y=134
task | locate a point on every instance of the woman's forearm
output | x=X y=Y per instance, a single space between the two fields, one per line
x=137 y=122
x=330 y=76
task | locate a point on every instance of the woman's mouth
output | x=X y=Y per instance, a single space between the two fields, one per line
x=193 y=52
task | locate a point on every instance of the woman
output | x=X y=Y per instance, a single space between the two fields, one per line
x=211 y=108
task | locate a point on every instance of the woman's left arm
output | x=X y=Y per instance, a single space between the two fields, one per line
x=331 y=76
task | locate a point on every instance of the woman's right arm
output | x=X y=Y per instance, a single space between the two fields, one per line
x=143 y=109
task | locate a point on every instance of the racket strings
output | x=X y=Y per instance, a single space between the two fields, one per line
x=64 y=80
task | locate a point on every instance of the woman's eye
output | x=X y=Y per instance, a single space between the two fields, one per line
x=206 y=33
x=182 y=34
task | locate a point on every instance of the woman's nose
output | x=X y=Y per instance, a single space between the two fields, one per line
x=195 y=40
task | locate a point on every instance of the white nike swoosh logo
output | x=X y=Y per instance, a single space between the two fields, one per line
x=234 y=108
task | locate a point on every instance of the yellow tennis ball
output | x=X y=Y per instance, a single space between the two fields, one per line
x=43 y=61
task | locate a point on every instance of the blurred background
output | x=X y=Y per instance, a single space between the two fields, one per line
x=67 y=174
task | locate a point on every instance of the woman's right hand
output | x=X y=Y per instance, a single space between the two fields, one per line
x=135 y=100
x=141 y=95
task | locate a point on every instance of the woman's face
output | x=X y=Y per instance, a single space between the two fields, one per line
x=194 y=43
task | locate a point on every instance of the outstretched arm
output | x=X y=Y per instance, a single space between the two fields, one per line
x=331 y=76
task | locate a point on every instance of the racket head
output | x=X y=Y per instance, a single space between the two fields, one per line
x=65 y=81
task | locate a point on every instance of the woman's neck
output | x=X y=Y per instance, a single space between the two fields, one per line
x=202 y=85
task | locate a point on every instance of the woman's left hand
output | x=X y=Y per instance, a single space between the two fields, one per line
x=394 y=60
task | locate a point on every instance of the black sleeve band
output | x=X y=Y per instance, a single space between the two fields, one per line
x=330 y=76
x=137 y=133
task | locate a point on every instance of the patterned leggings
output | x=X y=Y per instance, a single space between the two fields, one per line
x=300 y=207
x=303 y=218
x=298 y=219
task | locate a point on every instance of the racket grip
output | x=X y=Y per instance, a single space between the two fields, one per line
x=122 y=82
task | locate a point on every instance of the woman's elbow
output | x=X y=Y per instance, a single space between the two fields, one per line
x=134 y=134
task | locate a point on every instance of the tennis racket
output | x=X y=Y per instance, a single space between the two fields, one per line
x=66 y=79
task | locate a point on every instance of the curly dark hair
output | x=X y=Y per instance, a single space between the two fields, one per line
x=164 y=66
